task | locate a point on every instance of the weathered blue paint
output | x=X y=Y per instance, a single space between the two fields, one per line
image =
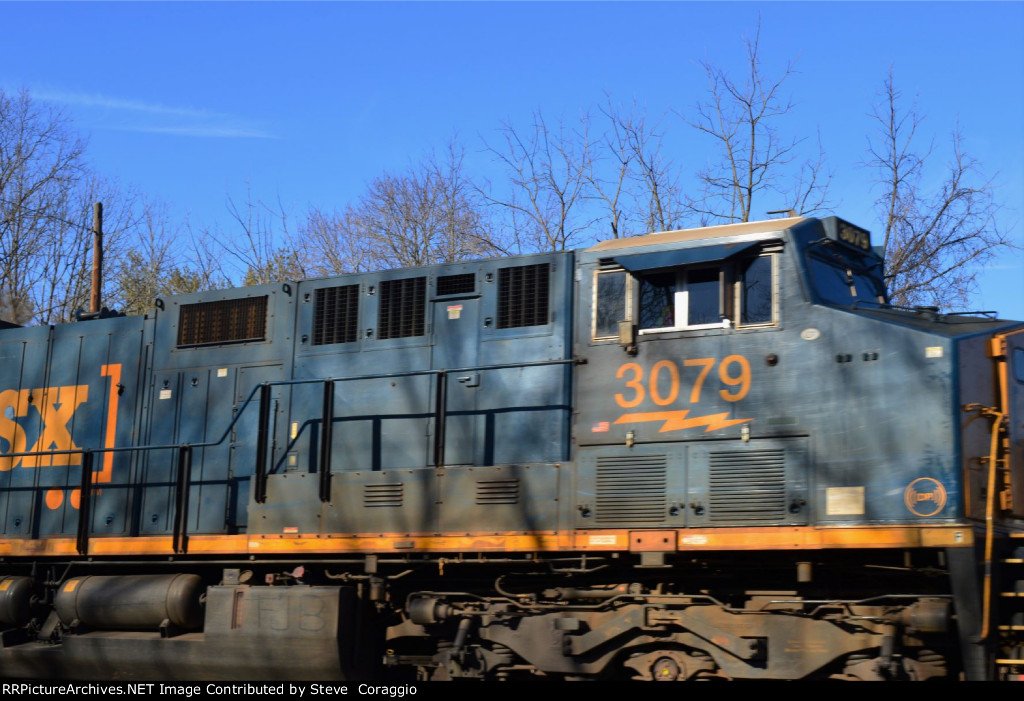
x=828 y=414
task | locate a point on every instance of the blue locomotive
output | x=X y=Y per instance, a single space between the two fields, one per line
x=712 y=453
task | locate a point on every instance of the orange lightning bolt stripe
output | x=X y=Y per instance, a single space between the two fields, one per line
x=676 y=420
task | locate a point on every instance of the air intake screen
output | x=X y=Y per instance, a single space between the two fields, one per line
x=631 y=490
x=336 y=315
x=227 y=321
x=455 y=284
x=497 y=492
x=375 y=495
x=748 y=486
x=402 y=308
x=523 y=296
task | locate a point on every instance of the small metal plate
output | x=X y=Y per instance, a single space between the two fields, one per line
x=653 y=541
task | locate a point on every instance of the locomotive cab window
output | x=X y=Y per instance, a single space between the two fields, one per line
x=844 y=278
x=612 y=300
x=755 y=301
x=738 y=292
x=688 y=298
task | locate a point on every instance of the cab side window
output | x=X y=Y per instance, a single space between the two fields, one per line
x=658 y=301
x=755 y=291
x=738 y=292
x=688 y=298
x=611 y=302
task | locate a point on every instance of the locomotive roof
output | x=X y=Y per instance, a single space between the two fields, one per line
x=707 y=232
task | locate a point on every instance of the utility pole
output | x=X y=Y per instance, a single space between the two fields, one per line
x=97 y=257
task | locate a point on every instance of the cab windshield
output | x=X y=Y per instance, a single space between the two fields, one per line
x=844 y=278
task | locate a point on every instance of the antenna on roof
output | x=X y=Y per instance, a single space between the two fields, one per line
x=788 y=212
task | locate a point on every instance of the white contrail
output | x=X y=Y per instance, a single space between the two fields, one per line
x=187 y=121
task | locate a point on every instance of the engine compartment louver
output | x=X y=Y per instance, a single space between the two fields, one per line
x=223 y=321
x=375 y=495
x=336 y=315
x=631 y=490
x=523 y=295
x=402 y=307
x=497 y=491
x=456 y=284
x=747 y=485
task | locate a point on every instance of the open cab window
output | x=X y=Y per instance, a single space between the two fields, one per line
x=735 y=293
x=689 y=298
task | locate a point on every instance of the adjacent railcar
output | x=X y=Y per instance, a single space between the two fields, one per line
x=706 y=454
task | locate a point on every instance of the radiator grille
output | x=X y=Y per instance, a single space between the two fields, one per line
x=402 y=307
x=523 y=296
x=456 y=284
x=497 y=491
x=225 y=321
x=747 y=486
x=631 y=490
x=336 y=315
x=382 y=494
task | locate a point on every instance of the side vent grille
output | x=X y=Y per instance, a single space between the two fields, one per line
x=497 y=491
x=336 y=315
x=402 y=308
x=523 y=296
x=456 y=284
x=226 y=321
x=631 y=490
x=382 y=494
x=747 y=486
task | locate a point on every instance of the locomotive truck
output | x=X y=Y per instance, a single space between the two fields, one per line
x=718 y=453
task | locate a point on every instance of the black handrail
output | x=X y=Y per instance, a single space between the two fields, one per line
x=262 y=431
x=183 y=477
x=440 y=417
x=183 y=485
x=326 y=441
x=84 y=504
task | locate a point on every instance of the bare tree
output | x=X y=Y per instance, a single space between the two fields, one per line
x=155 y=264
x=547 y=173
x=261 y=242
x=41 y=165
x=608 y=171
x=67 y=263
x=630 y=177
x=753 y=158
x=659 y=200
x=333 y=242
x=934 y=239
x=47 y=193
x=424 y=216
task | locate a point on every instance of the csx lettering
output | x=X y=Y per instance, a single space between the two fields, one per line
x=55 y=407
x=663 y=384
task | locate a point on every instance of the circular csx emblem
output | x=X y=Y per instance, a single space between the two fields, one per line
x=925 y=496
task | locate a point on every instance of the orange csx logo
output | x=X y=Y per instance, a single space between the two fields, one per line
x=55 y=406
x=49 y=411
x=925 y=496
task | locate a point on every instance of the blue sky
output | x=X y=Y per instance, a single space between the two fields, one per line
x=307 y=102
